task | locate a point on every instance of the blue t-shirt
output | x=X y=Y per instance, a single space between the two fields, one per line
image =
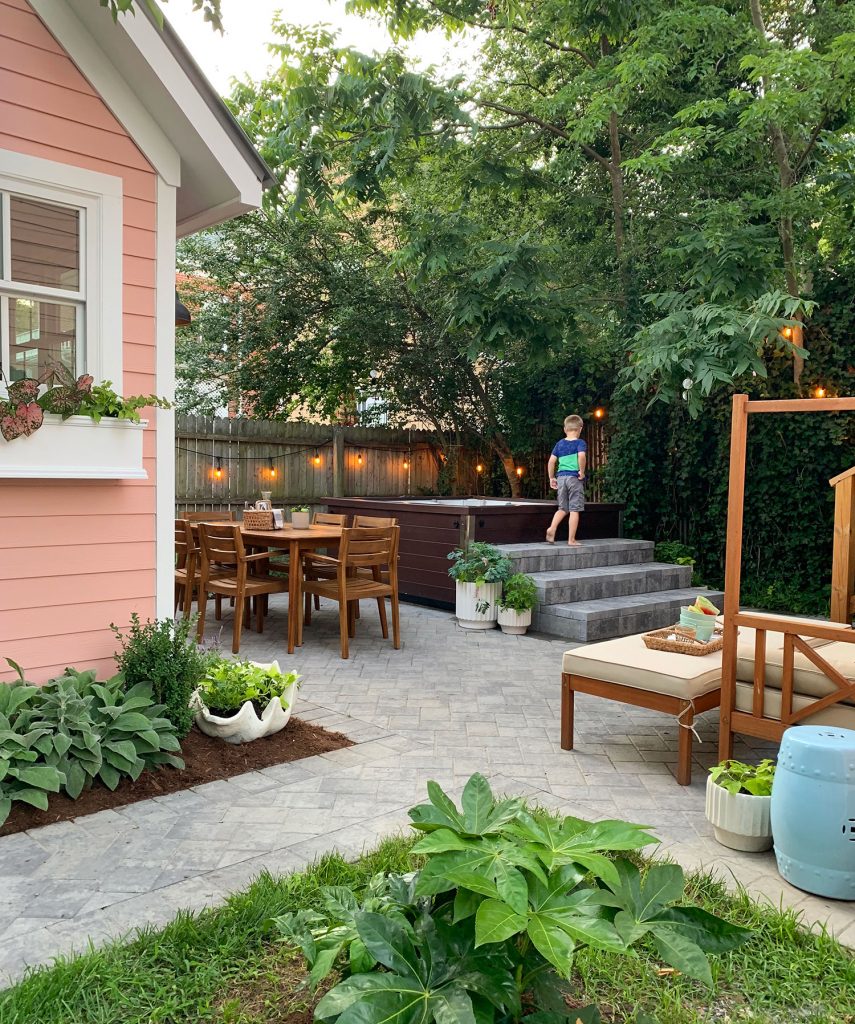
x=567 y=453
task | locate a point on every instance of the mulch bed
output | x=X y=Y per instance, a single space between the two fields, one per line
x=207 y=759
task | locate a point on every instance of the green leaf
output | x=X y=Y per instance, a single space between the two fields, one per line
x=496 y=921
x=713 y=934
x=109 y=776
x=452 y=1005
x=477 y=803
x=512 y=887
x=132 y=721
x=552 y=942
x=368 y=991
x=466 y=903
x=387 y=941
x=443 y=840
x=663 y=884
x=5 y=807
x=35 y=797
x=323 y=964
x=75 y=779
x=42 y=777
x=680 y=952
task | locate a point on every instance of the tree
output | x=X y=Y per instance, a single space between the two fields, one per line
x=211 y=9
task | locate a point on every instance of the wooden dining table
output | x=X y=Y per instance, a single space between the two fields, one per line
x=295 y=542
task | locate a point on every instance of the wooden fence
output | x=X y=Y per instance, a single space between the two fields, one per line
x=223 y=463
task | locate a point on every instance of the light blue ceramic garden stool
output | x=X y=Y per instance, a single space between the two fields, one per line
x=813 y=810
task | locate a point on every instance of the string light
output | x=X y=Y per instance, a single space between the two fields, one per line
x=599 y=413
x=479 y=468
x=520 y=471
x=819 y=391
x=271 y=469
x=317 y=458
x=406 y=463
x=787 y=332
x=359 y=458
x=218 y=468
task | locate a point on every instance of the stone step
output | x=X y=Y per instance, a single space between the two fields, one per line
x=543 y=557
x=563 y=586
x=587 y=621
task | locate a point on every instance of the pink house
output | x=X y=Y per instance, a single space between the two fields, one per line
x=112 y=145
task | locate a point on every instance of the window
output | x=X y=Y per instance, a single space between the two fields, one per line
x=60 y=269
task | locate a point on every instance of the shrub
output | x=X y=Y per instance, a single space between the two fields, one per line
x=487 y=930
x=164 y=654
x=73 y=731
x=479 y=563
x=519 y=593
x=227 y=685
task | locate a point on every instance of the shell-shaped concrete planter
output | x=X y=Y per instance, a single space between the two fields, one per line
x=246 y=725
x=740 y=821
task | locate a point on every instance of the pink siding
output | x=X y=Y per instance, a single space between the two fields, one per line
x=77 y=555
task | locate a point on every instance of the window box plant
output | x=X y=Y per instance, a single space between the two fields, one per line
x=301 y=517
x=518 y=600
x=479 y=572
x=739 y=802
x=241 y=701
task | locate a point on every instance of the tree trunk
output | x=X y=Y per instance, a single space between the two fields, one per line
x=510 y=468
x=786 y=177
x=498 y=441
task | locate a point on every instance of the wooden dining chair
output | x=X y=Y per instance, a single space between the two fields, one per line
x=186 y=567
x=370 y=549
x=373 y=523
x=226 y=516
x=319 y=571
x=224 y=572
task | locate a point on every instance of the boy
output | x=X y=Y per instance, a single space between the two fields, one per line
x=569 y=455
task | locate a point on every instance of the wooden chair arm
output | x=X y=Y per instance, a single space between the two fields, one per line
x=257 y=557
x=324 y=559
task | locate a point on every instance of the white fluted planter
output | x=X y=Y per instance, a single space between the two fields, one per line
x=469 y=597
x=740 y=821
x=514 y=622
x=247 y=725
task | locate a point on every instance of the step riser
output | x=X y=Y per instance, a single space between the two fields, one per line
x=558 y=558
x=645 y=581
x=584 y=628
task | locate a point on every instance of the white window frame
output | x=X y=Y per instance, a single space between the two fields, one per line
x=99 y=298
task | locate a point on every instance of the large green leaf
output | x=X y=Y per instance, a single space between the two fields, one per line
x=681 y=952
x=552 y=942
x=35 y=797
x=5 y=808
x=368 y=990
x=443 y=840
x=388 y=942
x=496 y=921
x=42 y=776
x=132 y=721
x=75 y=779
x=477 y=803
x=452 y=1005
x=713 y=934
x=512 y=887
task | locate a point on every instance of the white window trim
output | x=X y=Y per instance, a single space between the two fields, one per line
x=100 y=195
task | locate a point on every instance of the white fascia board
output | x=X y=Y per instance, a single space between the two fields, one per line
x=111 y=86
x=218 y=142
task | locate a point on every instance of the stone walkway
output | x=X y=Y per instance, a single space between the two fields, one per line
x=450 y=703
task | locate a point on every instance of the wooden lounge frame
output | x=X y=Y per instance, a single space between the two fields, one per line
x=756 y=723
x=683 y=709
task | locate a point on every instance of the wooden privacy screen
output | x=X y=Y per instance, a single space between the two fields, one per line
x=757 y=723
x=843 y=560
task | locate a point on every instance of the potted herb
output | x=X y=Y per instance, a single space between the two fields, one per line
x=479 y=571
x=240 y=701
x=519 y=598
x=300 y=517
x=739 y=800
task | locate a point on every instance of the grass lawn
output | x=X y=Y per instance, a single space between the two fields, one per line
x=226 y=966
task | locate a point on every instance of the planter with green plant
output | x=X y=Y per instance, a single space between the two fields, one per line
x=479 y=572
x=739 y=803
x=487 y=930
x=301 y=517
x=518 y=600
x=241 y=701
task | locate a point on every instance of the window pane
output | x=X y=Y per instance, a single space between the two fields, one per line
x=42 y=335
x=45 y=244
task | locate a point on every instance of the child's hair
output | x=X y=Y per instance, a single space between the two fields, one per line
x=573 y=423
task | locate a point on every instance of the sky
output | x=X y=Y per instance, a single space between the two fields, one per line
x=242 y=49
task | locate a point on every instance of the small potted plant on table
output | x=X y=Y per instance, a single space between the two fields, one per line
x=518 y=600
x=240 y=701
x=739 y=801
x=301 y=517
x=479 y=572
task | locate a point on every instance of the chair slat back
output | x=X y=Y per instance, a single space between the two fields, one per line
x=222 y=544
x=368 y=547
x=183 y=543
x=373 y=522
x=329 y=519
x=210 y=517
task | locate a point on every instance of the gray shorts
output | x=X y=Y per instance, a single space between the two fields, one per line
x=571 y=494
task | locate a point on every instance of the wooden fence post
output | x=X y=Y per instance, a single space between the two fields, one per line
x=338 y=462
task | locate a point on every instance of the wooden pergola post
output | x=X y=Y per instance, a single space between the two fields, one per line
x=844 y=564
x=843 y=559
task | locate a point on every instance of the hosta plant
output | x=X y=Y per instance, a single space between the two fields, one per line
x=487 y=929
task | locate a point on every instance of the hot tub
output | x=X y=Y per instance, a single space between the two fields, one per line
x=432 y=527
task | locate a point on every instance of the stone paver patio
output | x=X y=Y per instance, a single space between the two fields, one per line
x=449 y=703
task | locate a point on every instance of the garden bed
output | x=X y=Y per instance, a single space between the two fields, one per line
x=206 y=760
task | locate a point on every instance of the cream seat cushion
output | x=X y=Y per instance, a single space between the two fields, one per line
x=840 y=715
x=627 y=662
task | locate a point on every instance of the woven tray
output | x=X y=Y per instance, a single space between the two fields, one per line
x=258 y=519
x=684 y=642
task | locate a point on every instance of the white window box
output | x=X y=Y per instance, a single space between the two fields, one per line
x=76 y=449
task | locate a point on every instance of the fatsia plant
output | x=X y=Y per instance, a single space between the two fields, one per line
x=492 y=920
